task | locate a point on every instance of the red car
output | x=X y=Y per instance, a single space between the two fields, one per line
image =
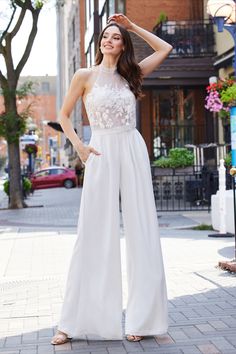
x=53 y=177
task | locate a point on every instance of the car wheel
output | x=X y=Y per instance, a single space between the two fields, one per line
x=68 y=183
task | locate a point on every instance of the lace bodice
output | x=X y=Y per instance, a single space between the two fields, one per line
x=110 y=103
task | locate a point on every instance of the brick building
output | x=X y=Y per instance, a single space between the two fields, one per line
x=42 y=110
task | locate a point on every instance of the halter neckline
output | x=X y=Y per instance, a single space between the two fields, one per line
x=106 y=69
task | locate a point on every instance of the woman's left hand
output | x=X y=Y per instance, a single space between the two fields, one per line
x=122 y=20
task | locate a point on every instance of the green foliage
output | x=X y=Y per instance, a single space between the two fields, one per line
x=178 y=157
x=25 y=89
x=31 y=149
x=13 y=125
x=37 y=4
x=229 y=95
x=6 y=187
x=20 y=93
x=203 y=227
x=162 y=18
x=228 y=159
x=26 y=185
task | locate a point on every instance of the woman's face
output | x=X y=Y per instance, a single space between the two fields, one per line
x=112 y=41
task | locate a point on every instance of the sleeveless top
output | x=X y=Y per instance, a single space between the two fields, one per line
x=110 y=103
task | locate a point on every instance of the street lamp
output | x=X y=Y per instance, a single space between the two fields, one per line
x=224 y=15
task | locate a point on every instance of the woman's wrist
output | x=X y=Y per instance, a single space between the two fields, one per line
x=79 y=146
x=132 y=27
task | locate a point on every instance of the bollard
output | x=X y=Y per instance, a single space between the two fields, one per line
x=222 y=189
x=222 y=184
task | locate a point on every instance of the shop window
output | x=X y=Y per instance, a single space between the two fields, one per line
x=175 y=123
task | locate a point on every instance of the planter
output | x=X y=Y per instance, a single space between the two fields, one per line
x=160 y=171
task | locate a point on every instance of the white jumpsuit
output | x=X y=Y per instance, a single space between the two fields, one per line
x=93 y=297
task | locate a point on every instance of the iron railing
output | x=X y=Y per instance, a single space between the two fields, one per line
x=179 y=135
x=185 y=189
x=188 y=38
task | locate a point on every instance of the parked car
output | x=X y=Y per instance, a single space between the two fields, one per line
x=56 y=176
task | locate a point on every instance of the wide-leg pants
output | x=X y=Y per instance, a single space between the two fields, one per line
x=93 y=297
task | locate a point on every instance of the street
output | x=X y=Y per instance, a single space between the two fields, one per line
x=35 y=248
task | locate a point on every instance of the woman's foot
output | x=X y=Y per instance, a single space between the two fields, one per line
x=60 y=338
x=133 y=338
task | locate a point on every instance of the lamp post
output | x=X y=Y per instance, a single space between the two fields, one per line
x=224 y=15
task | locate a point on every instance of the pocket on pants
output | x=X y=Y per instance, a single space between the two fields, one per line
x=89 y=158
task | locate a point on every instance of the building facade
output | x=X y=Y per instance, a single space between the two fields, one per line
x=69 y=46
x=41 y=105
x=42 y=111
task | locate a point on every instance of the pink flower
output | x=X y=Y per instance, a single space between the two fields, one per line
x=213 y=102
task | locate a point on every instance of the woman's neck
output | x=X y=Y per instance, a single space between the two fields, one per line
x=109 y=62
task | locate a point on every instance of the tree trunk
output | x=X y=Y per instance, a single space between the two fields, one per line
x=15 y=191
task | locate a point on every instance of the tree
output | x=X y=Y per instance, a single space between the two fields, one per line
x=12 y=122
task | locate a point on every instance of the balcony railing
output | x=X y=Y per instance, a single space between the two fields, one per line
x=188 y=38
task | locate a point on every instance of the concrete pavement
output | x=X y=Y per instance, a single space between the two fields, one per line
x=59 y=207
x=35 y=248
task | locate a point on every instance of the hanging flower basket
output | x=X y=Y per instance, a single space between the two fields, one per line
x=31 y=149
x=221 y=96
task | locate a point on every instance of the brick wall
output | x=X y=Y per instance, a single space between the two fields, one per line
x=146 y=12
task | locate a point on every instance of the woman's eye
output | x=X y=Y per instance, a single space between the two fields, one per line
x=117 y=38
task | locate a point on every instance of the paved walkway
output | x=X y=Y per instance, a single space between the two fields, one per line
x=35 y=248
x=59 y=207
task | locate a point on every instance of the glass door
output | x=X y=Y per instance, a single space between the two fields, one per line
x=173 y=119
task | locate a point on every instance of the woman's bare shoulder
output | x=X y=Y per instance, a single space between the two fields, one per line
x=83 y=73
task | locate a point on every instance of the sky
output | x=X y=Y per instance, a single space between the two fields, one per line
x=43 y=57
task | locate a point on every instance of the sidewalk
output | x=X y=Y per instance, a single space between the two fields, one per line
x=35 y=248
x=62 y=209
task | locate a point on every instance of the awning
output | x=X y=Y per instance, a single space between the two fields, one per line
x=55 y=126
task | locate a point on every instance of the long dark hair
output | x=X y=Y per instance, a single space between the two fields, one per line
x=127 y=65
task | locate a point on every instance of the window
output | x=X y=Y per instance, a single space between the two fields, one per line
x=88 y=58
x=108 y=8
x=92 y=52
x=45 y=86
x=120 y=6
x=73 y=30
x=42 y=173
x=89 y=11
x=104 y=17
x=111 y=7
x=177 y=118
x=57 y=171
x=74 y=64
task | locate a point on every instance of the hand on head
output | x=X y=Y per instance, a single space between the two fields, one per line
x=121 y=20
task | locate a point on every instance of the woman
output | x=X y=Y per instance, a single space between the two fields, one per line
x=116 y=163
